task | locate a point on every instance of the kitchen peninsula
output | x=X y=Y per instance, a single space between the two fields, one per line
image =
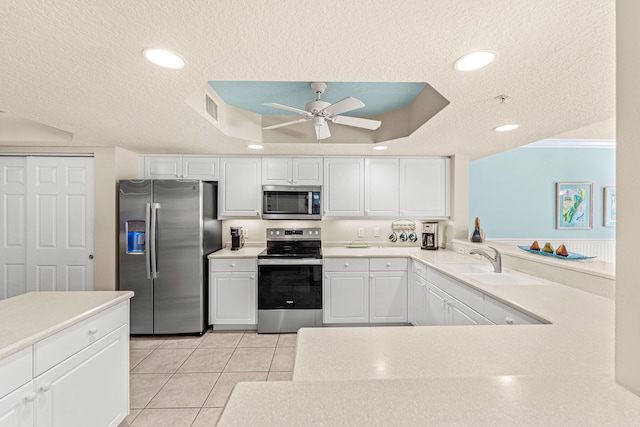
x=559 y=373
x=64 y=358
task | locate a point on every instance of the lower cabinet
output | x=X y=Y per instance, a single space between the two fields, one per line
x=87 y=383
x=359 y=290
x=232 y=292
x=445 y=310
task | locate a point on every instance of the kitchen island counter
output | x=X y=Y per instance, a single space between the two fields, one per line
x=28 y=318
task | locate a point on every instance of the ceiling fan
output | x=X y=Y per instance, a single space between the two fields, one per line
x=319 y=112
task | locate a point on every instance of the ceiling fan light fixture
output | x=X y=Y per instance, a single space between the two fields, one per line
x=164 y=58
x=380 y=147
x=506 y=128
x=255 y=146
x=475 y=61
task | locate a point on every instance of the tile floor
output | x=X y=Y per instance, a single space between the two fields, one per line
x=186 y=381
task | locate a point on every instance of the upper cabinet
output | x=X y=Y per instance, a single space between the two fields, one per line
x=181 y=167
x=425 y=188
x=381 y=187
x=343 y=192
x=292 y=171
x=240 y=189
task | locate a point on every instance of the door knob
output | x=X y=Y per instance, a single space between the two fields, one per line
x=90 y=256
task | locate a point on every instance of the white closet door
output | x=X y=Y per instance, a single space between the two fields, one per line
x=13 y=247
x=60 y=224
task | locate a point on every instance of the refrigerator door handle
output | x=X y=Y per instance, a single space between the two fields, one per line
x=147 y=228
x=152 y=243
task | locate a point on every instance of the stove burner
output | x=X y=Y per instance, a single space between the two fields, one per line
x=291 y=243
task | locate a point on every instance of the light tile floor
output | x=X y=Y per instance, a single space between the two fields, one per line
x=186 y=381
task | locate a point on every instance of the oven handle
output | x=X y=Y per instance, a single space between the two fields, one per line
x=303 y=261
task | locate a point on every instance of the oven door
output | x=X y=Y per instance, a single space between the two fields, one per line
x=290 y=284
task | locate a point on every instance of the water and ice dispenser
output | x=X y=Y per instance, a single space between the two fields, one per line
x=135 y=237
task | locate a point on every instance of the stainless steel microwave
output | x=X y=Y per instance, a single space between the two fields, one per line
x=291 y=202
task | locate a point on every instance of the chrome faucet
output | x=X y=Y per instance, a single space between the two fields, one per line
x=495 y=261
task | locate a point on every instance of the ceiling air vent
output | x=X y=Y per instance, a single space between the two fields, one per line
x=211 y=107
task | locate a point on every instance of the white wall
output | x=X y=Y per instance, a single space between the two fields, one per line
x=628 y=231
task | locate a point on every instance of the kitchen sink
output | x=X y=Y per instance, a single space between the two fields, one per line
x=470 y=268
x=506 y=279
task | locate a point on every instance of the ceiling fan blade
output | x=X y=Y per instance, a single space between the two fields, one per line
x=344 y=105
x=286 y=107
x=322 y=132
x=279 y=125
x=357 y=122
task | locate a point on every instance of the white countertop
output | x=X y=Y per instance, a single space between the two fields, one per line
x=244 y=252
x=28 y=318
x=554 y=374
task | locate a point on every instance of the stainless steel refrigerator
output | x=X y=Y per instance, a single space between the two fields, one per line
x=167 y=229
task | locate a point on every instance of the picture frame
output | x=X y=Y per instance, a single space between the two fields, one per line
x=609 y=202
x=574 y=205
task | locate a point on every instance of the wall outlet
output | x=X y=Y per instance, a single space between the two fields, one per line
x=376 y=231
x=245 y=233
x=360 y=232
x=461 y=250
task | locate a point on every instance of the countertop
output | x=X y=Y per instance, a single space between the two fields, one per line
x=550 y=374
x=28 y=318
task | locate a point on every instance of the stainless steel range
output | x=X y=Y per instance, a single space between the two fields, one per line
x=290 y=280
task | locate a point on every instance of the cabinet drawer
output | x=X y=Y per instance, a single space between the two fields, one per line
x=502 y=314
x=16 y=370
x=388 y=264
x=232 y=264
x=458 y=290
x=346 y=264
x=53 y=350
x=420 y=269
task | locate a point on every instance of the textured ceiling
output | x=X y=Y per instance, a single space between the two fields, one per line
x=77 y=66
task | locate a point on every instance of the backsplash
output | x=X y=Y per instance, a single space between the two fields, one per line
x=334 y=232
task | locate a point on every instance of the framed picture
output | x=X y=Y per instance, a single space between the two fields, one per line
x=574 y=205
x=609 y=201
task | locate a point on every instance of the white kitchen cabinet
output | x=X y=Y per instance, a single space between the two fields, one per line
x=419 y=299
x=388 y=296
x=17 y=408
x=89 y=388
x=445 y=310
x=343 y=191
x=424 y=190
x=240 y=189
x=346 y=297
x=502 y=314
x=77 y=377
x=381 y=187
x=292 y=171
x=232 y=292
x=181 y=167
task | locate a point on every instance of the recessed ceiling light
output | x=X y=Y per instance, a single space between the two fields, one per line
x=255 y=146
x=380 y=147
x=475 y=60
x=505 y=128
x=164 y=58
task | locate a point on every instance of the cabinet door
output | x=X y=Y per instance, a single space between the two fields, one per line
x=91 y=388
x=17 y=409
x=307 y=171
x=163 y=167
x=277 y=171
x=419 y=301
x=424 y=188
x=204 y=168
x=343 y=187
x=346 y=297
x=460 y=314
x=381 y=187
x=240 y=187
x=388 y=296
x=437 y=308
x=232 y=298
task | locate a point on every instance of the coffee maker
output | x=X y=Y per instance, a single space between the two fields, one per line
x=237 y=238
x=429 y=236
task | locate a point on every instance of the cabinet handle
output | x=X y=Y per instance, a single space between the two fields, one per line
x=93 y=330
x=509 y=320
x=388 y=264
x=371 y=277
x=30 y=397
x=45 y=387
x=253 y=277
x=233 y=264
x=346 y=264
